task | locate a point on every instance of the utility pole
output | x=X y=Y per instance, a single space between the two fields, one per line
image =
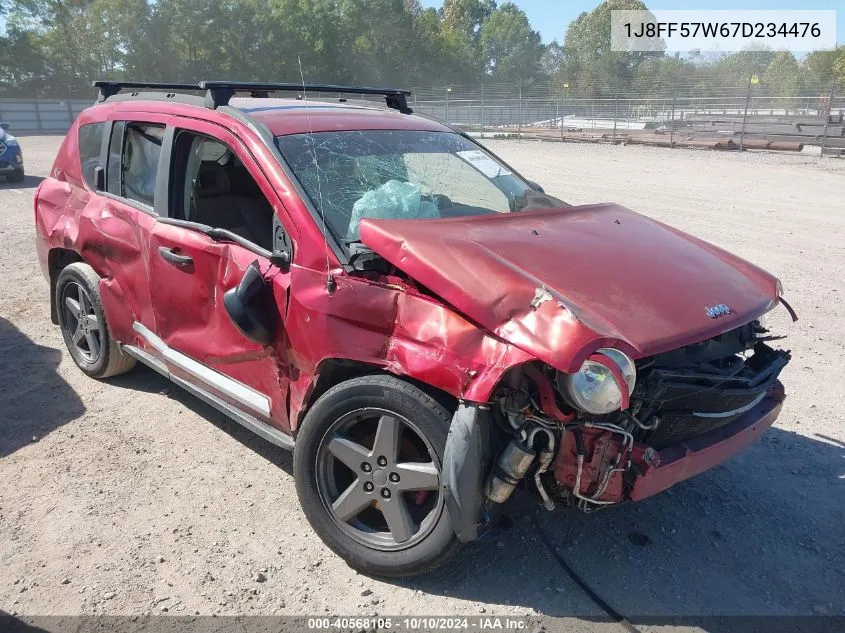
x=615 y=104
x=829 y=112
x=482 y=109
x=753 y=79
x=563 y=108
x=674 y=100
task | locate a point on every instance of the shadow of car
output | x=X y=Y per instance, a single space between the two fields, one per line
x=758 y=536
x=34 y=398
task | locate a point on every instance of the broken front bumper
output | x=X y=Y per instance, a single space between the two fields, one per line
x=694 y=456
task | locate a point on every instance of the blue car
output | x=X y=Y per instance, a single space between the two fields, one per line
x=11 y=157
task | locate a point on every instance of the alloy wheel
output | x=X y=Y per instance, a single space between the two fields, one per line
x=379 y=478
x=81 y=322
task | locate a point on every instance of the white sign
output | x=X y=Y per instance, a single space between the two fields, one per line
x=483 y=163
x=726 y=30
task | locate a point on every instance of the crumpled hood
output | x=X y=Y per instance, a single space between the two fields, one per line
x=560 y=283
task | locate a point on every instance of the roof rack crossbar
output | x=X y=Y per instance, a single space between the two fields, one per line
x=111 y=88
x=219 y=92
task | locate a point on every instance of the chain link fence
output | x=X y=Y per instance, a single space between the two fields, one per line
x=673 y=112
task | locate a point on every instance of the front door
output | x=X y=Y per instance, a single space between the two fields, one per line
x=215 y=183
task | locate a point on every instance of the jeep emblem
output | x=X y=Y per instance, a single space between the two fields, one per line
x=714 y=312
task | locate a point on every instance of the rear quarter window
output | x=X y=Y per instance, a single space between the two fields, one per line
x=90 y=142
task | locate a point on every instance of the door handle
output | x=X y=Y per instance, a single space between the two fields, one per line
x=174 y=257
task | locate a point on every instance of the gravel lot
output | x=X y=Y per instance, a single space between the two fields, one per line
x=129 y=496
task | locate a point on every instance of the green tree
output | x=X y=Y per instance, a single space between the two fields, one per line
x=21 y=63
x=839 y=68
x=552 y=60
x=79 y=40
x=820 y=66
x=782 y=77
x=466 y=16
x=588 y=61
x=512 y=49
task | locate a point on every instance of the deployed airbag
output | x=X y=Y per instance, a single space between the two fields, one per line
x=393 y=200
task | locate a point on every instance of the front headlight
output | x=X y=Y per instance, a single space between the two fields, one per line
x=593 y=388
x=10 y=141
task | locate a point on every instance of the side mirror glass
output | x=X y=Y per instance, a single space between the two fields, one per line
x=536 y=187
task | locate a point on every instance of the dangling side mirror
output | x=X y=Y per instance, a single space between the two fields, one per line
x=535 y=186
x=251 y=307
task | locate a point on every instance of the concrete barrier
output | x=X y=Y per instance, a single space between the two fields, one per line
x=40 y=115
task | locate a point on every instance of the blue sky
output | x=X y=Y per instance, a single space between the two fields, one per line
x=551 y=17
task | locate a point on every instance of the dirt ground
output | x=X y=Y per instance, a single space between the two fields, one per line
x=129 y=496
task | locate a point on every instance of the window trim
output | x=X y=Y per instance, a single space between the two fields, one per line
x=217 y=235
x=117 y=128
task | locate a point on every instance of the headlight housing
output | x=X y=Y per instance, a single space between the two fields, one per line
x=593 y=388
x=10 y=140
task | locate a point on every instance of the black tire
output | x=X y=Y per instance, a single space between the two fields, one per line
x=390 y=394
x=108 y=360
x=16 y=176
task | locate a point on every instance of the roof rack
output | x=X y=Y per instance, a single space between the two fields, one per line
x=218 y=93
x=111 y=88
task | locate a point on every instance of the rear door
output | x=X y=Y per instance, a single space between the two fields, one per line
x=131 y=158
x=215 y=182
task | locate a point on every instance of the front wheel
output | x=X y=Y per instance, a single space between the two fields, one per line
x=16 y=176
x=367 y=466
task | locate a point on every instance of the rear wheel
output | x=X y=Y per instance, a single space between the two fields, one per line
x=84 y=326
x=368 y=474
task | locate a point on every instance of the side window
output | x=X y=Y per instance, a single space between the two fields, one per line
x=141 y=152
x=212 y=186
x=90 y=143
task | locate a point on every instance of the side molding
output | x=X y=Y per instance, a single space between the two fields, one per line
x=234 y=389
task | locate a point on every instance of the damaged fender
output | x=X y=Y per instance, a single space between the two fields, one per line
x=466 y=461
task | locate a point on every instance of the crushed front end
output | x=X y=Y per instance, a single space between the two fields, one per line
x=687 y=410
x=691 y=409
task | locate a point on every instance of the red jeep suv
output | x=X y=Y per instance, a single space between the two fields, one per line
x=422 y=326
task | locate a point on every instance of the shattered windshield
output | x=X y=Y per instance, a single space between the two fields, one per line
x=402 y=174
